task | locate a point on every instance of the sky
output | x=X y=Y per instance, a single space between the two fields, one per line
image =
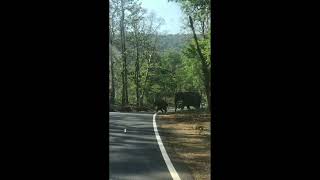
x=169 y=11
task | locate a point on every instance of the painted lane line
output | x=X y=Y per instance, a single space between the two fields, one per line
x=165 y=156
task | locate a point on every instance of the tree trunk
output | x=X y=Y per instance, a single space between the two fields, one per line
x=205 y=70
x=113 y=93
x=110 y=75
x=111 y=78
x=123 y=52
x=145 y=81
x=209 y=91
x=137 y=74
x=203 y=29
x=137 y=66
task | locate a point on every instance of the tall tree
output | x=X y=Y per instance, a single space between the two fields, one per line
x=136 y=21
x=113 y=9
x=150 y=44
x=124 y=57
x=198 y=12
x=205 y=66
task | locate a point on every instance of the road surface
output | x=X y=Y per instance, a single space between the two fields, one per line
x=135 y=154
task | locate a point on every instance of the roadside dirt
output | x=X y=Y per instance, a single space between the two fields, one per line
x=187 y=139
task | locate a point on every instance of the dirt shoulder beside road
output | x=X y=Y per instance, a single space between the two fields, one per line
x=187 y=139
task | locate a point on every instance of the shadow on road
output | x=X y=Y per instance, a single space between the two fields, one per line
x=135 y=154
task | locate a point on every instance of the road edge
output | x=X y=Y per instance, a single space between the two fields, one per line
x=172 y=170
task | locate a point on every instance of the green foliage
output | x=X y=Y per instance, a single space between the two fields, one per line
x=172 y=42
x=171 y=71
x=167 y=63
x=190 y=75
x=205 y=46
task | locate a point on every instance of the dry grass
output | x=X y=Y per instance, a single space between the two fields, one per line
x=187 y=138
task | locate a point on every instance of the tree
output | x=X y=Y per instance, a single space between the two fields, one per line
x=149 y=38
x=198 y=12
x=124 y=57
x=112 y=27
x=134 y=50
x=137 y=25
x=205 y=66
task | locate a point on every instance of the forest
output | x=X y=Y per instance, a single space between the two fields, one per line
x=145 y=63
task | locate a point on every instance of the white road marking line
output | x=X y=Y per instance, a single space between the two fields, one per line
x=165 y=156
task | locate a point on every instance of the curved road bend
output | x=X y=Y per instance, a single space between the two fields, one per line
x=135 y=154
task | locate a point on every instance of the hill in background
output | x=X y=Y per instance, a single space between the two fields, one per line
x=173 y=41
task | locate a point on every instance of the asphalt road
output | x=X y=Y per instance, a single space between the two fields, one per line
x=135 y=154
